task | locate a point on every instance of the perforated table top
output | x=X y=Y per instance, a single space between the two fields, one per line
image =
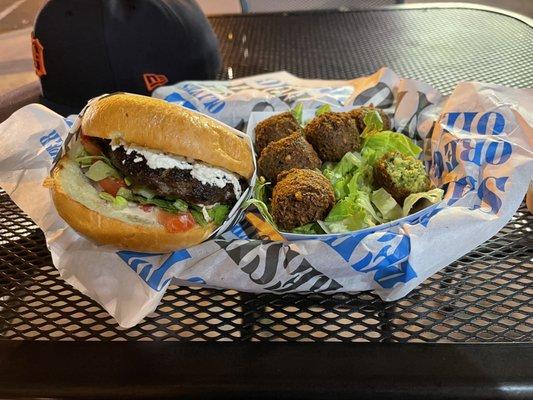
x=486 y=296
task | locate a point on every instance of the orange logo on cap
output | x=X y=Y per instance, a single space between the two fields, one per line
x=153 y=80
x=37 y=51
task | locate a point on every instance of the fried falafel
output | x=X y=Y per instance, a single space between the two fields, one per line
x=400 y=175
x=290 y=152
x=332 y=135
x=275 y=128
x=301 y=196
x=359 y=114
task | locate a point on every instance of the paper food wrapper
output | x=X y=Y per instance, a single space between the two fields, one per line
x=477 y=145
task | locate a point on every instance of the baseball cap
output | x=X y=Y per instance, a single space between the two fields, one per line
x=83 y=48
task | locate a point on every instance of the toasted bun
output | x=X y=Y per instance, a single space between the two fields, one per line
x=77 y=202
x=156 y=124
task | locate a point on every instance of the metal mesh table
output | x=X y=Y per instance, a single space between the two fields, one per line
x=486 y=296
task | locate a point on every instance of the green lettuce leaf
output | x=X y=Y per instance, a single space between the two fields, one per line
x=309 y=229
x=430 y=197
x=218 y=213
x=387 y=206
x=324 y=108
x=297 y=112
x=339 y=174
x=198 y=216
x=118 y=202
x=349 y=214
x=101 y=170
x=260 y=201
x=373 y=123
x=126 y=193
x=345 y=216
x=180 y=205
x=379 y=143
x=144 y=192
x=361 y=179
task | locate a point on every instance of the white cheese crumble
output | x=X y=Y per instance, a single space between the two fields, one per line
x=206 y=214
x=204 y=173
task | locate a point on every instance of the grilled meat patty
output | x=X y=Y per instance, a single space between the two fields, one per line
x=173 y=182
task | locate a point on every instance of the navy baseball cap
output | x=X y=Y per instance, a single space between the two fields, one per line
x=83 y=48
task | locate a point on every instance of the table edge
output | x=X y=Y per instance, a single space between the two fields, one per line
x=33 y=369
x=418 y=6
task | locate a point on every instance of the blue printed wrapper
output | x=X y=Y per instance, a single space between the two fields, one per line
x=477 y=143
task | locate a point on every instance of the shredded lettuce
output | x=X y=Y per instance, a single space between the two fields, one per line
x=430 y=197
x=83 y=158
x=198 y=216
x=170 y=205
x=87 y=160
x=180 y=205
x=377 y=144
x=339 y=174
x=144 y=192
x=361 y=179
x=309 y=229
x=346 y=217
x=324 y=108
x=101 y=170
x=118 y=202
x=349 y=214
x=106 y=196
x=387 y=206
x=123 y=192
x=77 y=150
x=218 y=213
x=297 y=112
x=167 y=205
x=260 y=201
x=373 y=123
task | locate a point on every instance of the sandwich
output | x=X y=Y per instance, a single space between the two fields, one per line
x=146 y=175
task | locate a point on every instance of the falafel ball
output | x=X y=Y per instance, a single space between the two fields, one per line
x=332 y=135
x=275 y=128
x=300 y=197
x=284 y=154
x=359 y=114
x=400 y=175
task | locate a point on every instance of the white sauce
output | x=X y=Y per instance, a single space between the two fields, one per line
x=204 y=173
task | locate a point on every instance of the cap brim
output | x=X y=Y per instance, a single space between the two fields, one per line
x=63 y=109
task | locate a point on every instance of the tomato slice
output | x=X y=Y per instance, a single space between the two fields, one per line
x=146 y=207
x=111 y=185
x=90 y=147
x=174 y=223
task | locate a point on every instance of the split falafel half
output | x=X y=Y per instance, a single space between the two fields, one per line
x=400 y=175
x=275 y=128
x=359 y=114
x=282 y=155
x=300 y=197
x=332 y=135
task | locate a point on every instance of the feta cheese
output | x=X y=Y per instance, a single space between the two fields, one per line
x=204 y=173
x=206 y=215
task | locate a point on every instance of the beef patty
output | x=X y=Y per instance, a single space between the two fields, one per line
x=173 y=182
